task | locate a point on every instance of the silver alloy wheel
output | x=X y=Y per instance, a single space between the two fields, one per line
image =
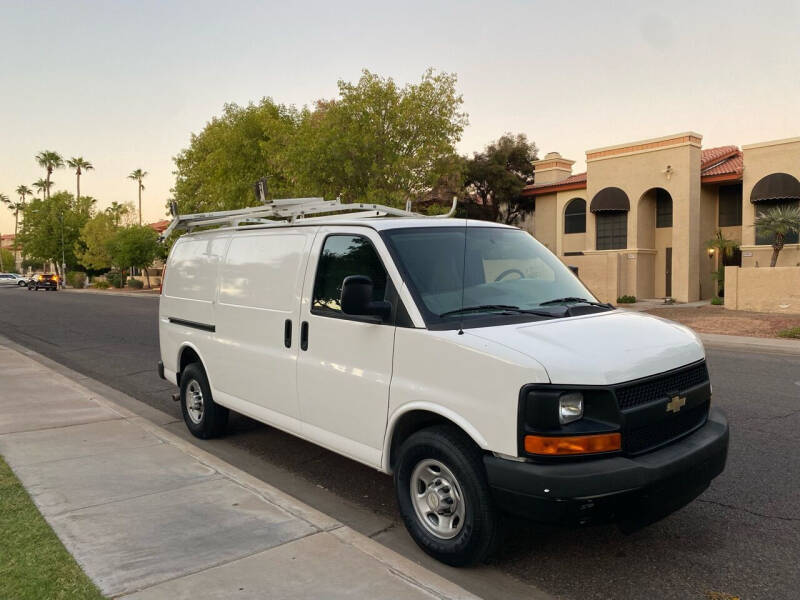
x=194 y=401
x=437 y=499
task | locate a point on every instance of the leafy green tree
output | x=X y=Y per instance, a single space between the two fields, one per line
x=134 y=246
x=80 y=165
x=376 y=142
x=49 y=161
x=379 y=142
x=137 y=176
x=778 y=222
x=497 y=175
x=218 y=169
x=7 y=262
x=49 y=221
x=92 y=250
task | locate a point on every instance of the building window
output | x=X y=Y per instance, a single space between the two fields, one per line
x=612 y=230
x=730 y=205
x=663 y=208
x=766 y=239
x=575 y=216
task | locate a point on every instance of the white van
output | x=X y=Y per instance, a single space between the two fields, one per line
x=460 y=356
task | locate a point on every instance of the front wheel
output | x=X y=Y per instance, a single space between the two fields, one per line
x=204 y=417
x=444 y=497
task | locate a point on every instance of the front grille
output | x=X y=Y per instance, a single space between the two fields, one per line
x=660 y=387
x=657 y=434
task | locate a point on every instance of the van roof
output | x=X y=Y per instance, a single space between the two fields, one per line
x=376 y=223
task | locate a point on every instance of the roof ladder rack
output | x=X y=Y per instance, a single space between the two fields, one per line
x=289 y=210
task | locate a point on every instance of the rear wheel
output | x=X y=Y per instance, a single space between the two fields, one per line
x=204 y=417
x=444 y=498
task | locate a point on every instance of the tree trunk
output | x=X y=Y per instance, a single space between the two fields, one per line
x=16 y=223
x=776 y=249
x=147 y=276
x=78 y=175
x=140 y=203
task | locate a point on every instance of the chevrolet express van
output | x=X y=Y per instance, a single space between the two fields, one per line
x=461 y=357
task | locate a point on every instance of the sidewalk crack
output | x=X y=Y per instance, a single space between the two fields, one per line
x=747 y=510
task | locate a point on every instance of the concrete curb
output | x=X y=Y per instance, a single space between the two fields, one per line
x=751 y=344
x=414 y=574
x=125 y=294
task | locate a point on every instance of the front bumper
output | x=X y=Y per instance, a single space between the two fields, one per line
x=631 y=491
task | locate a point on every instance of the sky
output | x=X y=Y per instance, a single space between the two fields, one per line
x=124 y=84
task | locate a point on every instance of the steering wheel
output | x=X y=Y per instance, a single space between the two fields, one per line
x=509 y=272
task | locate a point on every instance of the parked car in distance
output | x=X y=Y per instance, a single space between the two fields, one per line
x=44 y=281
x=461 y=357
x=9 y=279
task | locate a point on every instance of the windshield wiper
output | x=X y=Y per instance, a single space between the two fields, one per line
x=480 y=307
x=505 y=308
x=574 y=300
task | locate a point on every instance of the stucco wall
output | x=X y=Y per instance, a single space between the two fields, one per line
x=760 y=160
x=642 y=170
x=598 y=272
x=545 y=220
x=774 y=290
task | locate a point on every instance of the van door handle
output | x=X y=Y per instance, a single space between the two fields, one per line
x=304 y=335
x=287 y=333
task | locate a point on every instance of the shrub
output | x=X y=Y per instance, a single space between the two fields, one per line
x=101 y=284
x=76 y=279
x=116 y=279
x=717 y=301
x=135 y=284
x=792 y=332
x=626 y=299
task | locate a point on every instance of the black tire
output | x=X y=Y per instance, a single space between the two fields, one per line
x=481 y=529
x=214 y=417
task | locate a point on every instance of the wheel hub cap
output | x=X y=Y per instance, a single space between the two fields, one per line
x=194 y=401
x=437 y=499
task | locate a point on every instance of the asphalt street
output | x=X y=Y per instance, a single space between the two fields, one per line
x=740 y=538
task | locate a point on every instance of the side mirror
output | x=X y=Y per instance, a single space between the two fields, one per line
x=356 y=299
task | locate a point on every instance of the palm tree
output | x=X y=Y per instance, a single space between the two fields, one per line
x=80 y=166
x=137 y=176
x=49 y=161
x=778 y=222
x=41 y=187
x=724 y=249
x=22 y=191
x=117 y=211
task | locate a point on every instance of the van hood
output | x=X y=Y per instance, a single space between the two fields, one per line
x=602 y=348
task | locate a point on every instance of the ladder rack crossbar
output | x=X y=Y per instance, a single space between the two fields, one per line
x=289 y=209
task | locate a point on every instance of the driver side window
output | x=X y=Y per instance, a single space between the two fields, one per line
x=342 y=256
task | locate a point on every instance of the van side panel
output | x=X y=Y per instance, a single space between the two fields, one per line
x=186 y=309
x=468 y=380
x=260 y=283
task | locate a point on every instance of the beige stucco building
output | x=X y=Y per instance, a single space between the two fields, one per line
x=637 y=221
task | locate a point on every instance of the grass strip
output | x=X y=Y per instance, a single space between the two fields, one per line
x=33 y=562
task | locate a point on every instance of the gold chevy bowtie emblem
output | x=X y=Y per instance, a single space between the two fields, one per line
x=676 y=403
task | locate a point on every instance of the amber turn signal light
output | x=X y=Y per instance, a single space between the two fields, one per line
x=578 y=444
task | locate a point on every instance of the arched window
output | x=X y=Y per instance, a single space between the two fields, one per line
x=575 y=216
x=772 y=191
x=663 y=208
x=610 y=207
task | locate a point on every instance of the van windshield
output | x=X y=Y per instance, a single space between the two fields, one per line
x=498 y=271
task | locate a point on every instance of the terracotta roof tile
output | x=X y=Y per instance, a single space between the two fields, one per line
x=159 y=226
x=710 y=156
x=732 y=165
x=573 y=179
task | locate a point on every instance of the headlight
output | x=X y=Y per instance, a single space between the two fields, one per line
x=570 y=407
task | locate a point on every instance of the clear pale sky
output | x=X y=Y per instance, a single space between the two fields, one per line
x=123 y=84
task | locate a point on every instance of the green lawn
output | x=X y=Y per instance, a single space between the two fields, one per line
x=33 y=562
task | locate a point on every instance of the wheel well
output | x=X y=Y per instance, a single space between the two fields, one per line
x=410 y=423
x=188 y=356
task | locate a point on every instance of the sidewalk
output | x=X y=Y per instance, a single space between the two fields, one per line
x=149 y=515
